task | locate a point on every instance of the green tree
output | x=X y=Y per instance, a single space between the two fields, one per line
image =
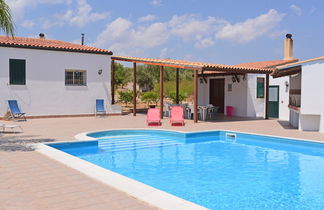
x=6 y=21
x=150 y=97
x=123 y=75
x=147 y=76
x=125 y=97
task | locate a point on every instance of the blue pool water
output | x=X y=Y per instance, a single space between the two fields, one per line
x=214 y=169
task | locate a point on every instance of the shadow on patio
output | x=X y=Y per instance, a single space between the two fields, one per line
x=23 y=143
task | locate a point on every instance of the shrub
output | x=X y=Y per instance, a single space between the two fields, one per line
x=172 y=95
x=150 y=97
x=125 y=97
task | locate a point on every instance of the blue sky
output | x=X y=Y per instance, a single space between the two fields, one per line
x=216 y=31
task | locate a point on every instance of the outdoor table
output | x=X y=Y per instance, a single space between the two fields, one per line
x=203 y=112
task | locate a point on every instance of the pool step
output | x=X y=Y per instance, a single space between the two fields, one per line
x=134 y=143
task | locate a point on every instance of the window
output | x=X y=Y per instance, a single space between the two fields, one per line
x=75 y=78
x=260 y=87
x=17 y=72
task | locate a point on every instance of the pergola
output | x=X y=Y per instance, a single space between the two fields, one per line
x=198 y=68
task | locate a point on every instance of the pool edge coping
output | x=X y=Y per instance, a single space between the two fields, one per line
x=84 y=137
x=140 y=191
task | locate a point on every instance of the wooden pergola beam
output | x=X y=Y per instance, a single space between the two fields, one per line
x=161 y=91
x=112 y=82
x=267 y=98
x=238 y=71
x=286 y=72
x=195 y=96
x=180 y=66
x=134 y=89
x=177 y=86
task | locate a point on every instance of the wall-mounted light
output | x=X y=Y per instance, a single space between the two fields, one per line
x=100 y=71
x=287 y=84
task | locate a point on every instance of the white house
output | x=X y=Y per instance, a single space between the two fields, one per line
x=246 y=92
x=53 y=78
x=306 y=104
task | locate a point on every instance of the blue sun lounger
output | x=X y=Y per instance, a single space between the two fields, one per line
x=15 y=112
x=100 y=107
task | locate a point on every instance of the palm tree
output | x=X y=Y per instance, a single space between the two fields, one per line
x=6 y=21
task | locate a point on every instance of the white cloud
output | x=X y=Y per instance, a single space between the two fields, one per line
x=297 y=10
x=147 y=18
x=125 y=37
x=156 y=2
x=79 y=16
x=18 y=7
x=122 y=36
x=191 y=27
x=29 y=24
x=251 y=28
x=312 y=10
x=204 y=43
x=82 y=15
x=164 y=53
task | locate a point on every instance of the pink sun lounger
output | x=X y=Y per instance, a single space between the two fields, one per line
x=176 y=115
x=153 y=116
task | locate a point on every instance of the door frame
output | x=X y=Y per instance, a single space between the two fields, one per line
x=278 y=92
x=222 y=78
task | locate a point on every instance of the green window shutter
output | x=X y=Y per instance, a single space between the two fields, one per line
x=17 y=72
x=260 y=87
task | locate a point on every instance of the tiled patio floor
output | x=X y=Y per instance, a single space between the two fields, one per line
x=29 y=180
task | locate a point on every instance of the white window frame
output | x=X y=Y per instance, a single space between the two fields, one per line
x=74 y=83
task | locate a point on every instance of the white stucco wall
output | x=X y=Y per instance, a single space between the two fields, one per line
x=312 y=97
x=255 y=106
x=283 y=96
x=243 y=96
x=235 y=98
x=45 y=92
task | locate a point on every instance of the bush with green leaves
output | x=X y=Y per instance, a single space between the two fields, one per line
x=125 y=97
x=173 y=96
x=150 y=98
x=186 y=87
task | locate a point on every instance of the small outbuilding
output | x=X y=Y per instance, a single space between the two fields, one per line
x=306 y=99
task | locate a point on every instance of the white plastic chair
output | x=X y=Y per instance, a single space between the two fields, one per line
x=12 y=127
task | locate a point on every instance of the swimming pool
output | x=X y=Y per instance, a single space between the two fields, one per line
x=215 y=169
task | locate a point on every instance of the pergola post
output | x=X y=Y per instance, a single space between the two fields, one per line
x=195 y=96
x=267 y=98
x=134 y=89
x=112 y=82
x=177 y=86
x=161 y=91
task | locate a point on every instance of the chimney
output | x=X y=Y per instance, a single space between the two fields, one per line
x=82 y=39
x=42 y=36
x=288 y=47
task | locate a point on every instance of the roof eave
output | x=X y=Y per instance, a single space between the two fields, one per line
x=55 y=49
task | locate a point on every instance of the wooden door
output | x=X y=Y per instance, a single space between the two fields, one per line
x=217 y=93
x=273 y=102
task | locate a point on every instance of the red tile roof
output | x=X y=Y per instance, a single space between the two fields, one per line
x=46 y=44
x=292 y=68
x=207 y=67
x=267 y=64
x=262 y=65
